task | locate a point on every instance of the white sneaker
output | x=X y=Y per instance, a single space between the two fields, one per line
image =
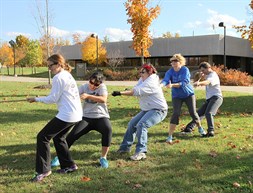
x=138 y=156
x=169 y=139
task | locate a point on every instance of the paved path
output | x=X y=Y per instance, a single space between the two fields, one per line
x=243 y=89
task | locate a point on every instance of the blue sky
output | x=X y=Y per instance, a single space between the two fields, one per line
x=108 y=18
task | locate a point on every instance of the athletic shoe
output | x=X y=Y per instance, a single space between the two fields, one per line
x=138 y=156
x=169 y=139
x=55 y=162
x=39 y=177
x=68 y=169
x=202 y=131
x=186 y=131
x=209 y=134
x=103 y=162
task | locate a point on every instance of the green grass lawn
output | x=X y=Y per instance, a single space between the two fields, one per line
x=193 y=164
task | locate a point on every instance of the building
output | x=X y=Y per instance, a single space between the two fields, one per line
x=210 y=48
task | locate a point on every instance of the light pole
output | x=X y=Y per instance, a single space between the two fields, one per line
x=96 y=36
x=13 y=45
x=221 y=24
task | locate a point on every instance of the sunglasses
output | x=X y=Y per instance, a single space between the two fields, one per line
x=174 y=61
x=142 y=72
x=50 y=65
x=93 y=83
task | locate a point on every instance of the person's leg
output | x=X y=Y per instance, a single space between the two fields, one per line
x=61 y=146
x=191 y=104
x=43 y=155
x=174 y=121
x=104 y=127
x=150 y=118
x=80 y=129
x=213 y=105
x=130 y=134
x=201 y=112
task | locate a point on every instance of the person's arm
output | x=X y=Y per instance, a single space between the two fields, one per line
x=53 y=97
x=201 y=83
x=98 y=99
x=127 y=93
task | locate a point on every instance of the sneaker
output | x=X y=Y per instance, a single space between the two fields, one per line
x=67 y=170
x=138 y=156
x=186 y=131
x=55 y=162
x=103 y=162
x=202 y=131
x=169 y=139
x=39 y=177
x=209 y=134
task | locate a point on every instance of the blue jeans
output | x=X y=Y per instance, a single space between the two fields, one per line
x=138 y=126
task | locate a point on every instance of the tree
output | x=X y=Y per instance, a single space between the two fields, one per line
x=34 y=53
x=6 y=55
x=140 y=18
x=89 y=51
x=115 y=59
x=246 y=32
x=76 y=38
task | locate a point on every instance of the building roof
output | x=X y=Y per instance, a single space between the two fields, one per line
x=164 y=47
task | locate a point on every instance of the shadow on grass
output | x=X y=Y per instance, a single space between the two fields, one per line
x=27 y=116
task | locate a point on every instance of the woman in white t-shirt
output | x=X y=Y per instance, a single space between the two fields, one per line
x=213 y=101
x=65 y=94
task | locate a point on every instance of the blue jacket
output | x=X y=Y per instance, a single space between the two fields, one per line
x=183 y=78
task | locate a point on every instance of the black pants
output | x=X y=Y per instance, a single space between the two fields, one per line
x=177 y=105
x=57 y=130
x=102 y=125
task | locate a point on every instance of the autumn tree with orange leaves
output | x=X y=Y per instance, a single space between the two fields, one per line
x=89 y=51
x=6 y=55
x=140 y=18
x=247 y=32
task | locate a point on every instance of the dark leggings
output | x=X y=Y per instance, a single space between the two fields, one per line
x=102 y=125
x=56 y=129
x=177 y=105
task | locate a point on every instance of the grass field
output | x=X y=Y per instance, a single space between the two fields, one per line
x=223 y=164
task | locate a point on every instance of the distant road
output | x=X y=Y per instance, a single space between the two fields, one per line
x=242 y=89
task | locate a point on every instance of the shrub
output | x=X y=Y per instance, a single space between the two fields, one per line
x=121 y=75
x=232 y=77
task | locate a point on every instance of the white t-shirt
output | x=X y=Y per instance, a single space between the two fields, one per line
x=213 y=89
x=65 y=94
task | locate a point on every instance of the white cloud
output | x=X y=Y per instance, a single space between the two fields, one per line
x=115 y=34
x=13 y=35
x=228 y=20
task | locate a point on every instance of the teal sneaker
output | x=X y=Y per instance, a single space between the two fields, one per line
x=202 y=132
x=103 y=162
x=169 y=139
x=55 y=162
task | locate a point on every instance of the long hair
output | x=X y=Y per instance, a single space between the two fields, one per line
x=59 y=59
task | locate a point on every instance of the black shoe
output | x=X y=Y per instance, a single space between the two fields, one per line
x=209 y=134
x=186 y=131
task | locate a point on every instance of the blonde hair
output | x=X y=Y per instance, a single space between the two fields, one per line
x=59 y=59
x=180 y=58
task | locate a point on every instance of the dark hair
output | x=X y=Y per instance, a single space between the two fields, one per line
x=149 y=68
x=59 y=59
x=204 y=65
x=98 y=77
